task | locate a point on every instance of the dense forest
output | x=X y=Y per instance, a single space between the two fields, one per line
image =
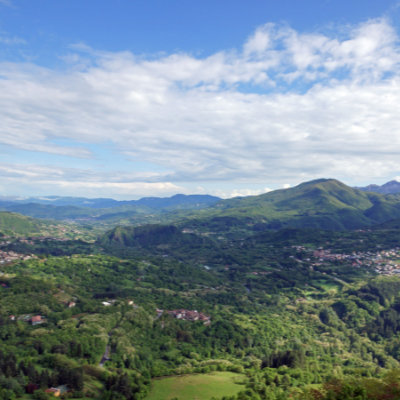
x=273 y=312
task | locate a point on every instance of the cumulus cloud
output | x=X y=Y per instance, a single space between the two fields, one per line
x=83 y=182
x=287 y=106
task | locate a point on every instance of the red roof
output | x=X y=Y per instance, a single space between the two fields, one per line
x=36 y=318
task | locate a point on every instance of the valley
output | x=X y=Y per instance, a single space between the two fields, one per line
x=222 y=298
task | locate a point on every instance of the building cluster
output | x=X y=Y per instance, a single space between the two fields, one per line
x=190 y=315
x=7 y=257
x=384 y=262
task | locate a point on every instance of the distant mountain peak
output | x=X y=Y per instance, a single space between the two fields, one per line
x=391 y=187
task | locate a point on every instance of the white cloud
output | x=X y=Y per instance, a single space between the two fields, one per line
x=240 y=192
x=42 y=180
x=122 y=188
x=233 y=116
x=14 y=40
x=260 y=41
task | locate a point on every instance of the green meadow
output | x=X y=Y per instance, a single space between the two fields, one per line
x=196 y=387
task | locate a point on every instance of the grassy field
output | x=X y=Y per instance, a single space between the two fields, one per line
x=196 y=387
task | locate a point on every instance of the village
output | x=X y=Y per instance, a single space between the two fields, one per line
x=7 y=257
x=10 y=256
x=384 y=262
x=183 y=314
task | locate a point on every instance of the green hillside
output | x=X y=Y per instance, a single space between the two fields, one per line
x=322 y=204
x=11 y=223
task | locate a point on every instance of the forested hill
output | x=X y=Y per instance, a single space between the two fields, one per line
x=321 y=204
x=11 y=223
x=150 y=235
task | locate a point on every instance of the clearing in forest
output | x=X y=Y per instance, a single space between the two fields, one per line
x=196 y=387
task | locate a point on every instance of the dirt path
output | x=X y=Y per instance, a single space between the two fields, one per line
x=106 y=355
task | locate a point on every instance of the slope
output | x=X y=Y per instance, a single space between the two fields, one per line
x=11 y=223
x=322 y=204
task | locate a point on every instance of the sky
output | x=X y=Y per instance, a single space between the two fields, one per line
x=134 y=98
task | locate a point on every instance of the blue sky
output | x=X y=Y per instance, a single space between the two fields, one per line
x=127 y=99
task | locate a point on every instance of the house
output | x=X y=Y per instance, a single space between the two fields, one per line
x=71 y=304
x=54 y=391
x=57 y=391
x=36 y=320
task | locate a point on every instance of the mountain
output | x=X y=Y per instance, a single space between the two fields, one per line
x=77 y=208
x=177 y=202
x=321 y=204
x=392 y=187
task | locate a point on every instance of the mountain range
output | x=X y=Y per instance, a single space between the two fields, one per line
x=321 y=204
x=176 y=201
x=102 y=209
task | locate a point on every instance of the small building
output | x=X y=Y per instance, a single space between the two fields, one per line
x=36 y=320
x=57 y=391
x=54 y=391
